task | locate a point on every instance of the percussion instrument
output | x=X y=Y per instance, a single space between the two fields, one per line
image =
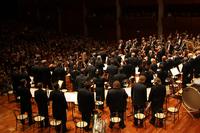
x=191 y=98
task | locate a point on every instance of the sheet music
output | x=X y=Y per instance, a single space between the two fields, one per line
x=174 y=71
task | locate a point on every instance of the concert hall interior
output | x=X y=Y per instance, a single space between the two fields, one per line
x=99 y=66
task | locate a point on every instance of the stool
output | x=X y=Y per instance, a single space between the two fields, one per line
x=173 y=111
x=19 y=118
x=38 y=119
x=116 y=120
x=54 y=123
x=140 y=117
x=160 y=117
x=81 y=125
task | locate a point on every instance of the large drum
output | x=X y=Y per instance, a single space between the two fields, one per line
x=191 y=98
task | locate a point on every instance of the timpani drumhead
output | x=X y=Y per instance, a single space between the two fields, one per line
x=191 y=97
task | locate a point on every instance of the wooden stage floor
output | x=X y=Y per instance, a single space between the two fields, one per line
x=185 y=124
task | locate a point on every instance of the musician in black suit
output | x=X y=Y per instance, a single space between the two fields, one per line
x=112 y=70
x=44 y=74
x=90 y=70
x=116 y=101
x=187 y=71
x=25 y=100
x=157 y=98
x=197 y=65
x=139 y=97
x=81 y=79
x=42 y=103
x=153 y=65
x=120 y=76
x=162 y=74
x=100 y=90
x=128 y=69
x=35 y=72
x=25 y=75
x=16 y=81
x=86 y=103
x=99 y=64
x=148 y=74
x=59 y=106
x=59 y=74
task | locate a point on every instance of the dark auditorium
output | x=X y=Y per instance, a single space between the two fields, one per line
x=99 y=66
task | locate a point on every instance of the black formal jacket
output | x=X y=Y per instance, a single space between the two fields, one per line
x=100 y=91
x=116 y=100
x=120 y=77
x=59 y=74
x=59 y=104
x=128 y=70
x=187 y=73
x=42 y=102
x=112 y=70
x=139 y=94
x=157 y=95
x=80 y=80
x=44 y=75
x=85 y=101
x=196 y=67
x=25 y=99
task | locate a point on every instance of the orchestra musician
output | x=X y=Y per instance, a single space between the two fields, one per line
x=116 y=101
x=157 y=98
x=86 y=103
x=139 y=97
x=25 y=100
x=59 y=106
x=42 y=103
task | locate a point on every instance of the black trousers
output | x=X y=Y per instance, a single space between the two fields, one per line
x=86 y=116
x=29 y=111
